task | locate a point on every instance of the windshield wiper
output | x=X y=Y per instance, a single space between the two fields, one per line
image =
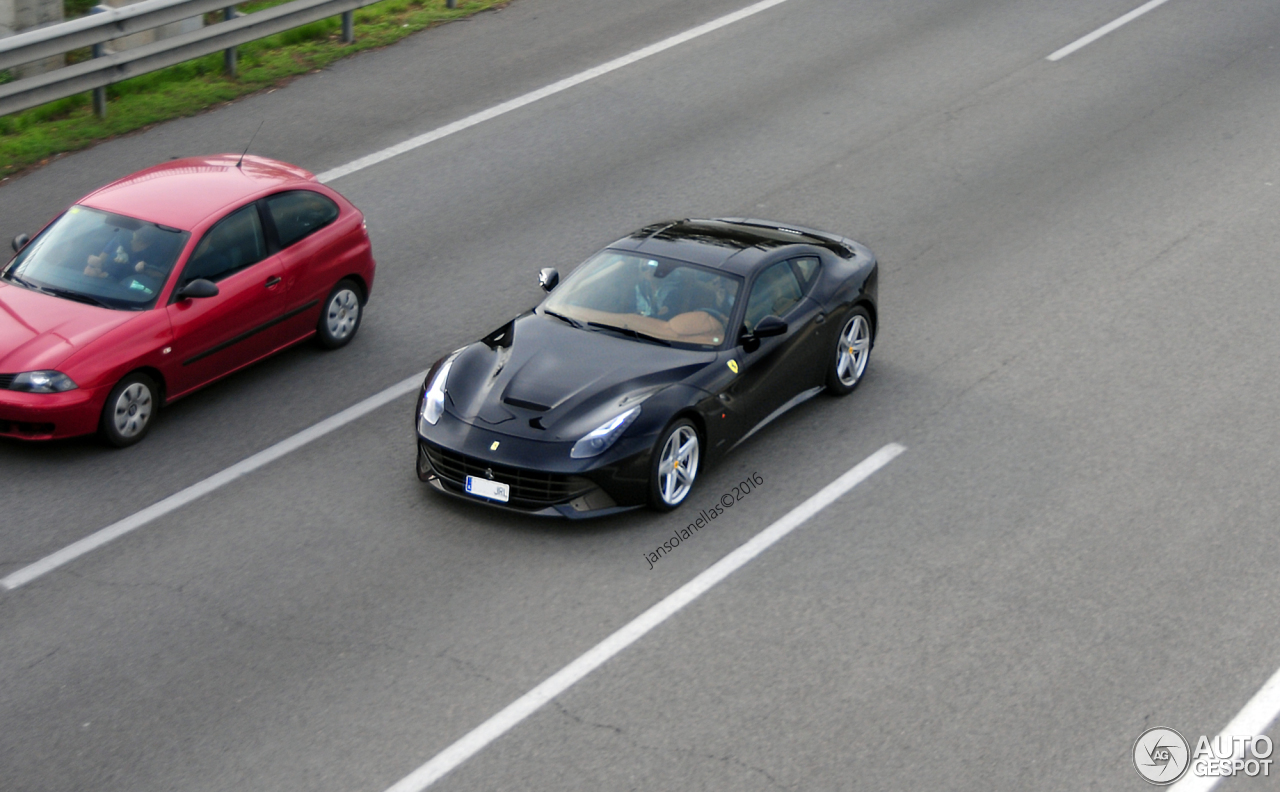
x=77 y=296
x=21 y=281
x=626 y=331
x=563 y=318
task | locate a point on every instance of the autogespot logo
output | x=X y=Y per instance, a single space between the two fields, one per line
x=1160 y=755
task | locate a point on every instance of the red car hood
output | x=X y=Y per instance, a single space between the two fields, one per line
x=38 y=331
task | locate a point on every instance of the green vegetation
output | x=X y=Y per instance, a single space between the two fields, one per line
x=33 y=136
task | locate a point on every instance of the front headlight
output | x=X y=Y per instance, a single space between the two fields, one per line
x=433 y=400
x=599 y=440
x=42 y=382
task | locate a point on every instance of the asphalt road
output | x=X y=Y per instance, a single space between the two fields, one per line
x=1077 y=349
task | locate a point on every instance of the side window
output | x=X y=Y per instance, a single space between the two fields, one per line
x=775 y=292
x=299 y=213
x=807 y=267
x=231 y=245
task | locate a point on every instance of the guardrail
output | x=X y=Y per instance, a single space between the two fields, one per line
x=113 y=23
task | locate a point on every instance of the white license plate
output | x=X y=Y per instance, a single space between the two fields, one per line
x=485 y=488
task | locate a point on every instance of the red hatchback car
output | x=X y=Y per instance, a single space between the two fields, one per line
x=166 y=280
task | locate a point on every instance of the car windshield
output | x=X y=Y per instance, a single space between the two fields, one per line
x=648 y=298
x=96 y=257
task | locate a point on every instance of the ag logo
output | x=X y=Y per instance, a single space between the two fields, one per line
x=733 y=366
x=1160 y=756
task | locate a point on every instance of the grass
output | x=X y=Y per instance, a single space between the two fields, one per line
x=32 y=137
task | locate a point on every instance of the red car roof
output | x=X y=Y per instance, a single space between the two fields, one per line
x=181 y=193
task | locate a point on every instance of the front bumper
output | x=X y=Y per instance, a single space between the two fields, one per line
x=543 y=479
x=47 y=416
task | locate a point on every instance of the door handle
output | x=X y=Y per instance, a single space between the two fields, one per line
x=272 y=281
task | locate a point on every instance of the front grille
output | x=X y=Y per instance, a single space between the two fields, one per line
x=528 y=486
x=6 y=380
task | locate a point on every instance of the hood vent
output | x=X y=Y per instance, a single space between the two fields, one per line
x=526 y=405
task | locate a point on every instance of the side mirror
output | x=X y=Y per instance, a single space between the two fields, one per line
x=20 y=241
x=548 y=278
x=198 y=289
x=766 y=328
x=769 y=327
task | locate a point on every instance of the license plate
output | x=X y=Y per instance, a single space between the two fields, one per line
x=485 y=488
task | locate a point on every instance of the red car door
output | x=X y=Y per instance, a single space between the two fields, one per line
x=213 y=336
x=313 y=252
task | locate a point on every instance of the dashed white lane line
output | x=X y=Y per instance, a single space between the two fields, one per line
x=1255 y=719
x=1105 y=29
x=543 y=93
x=526 y=705
x=201 y=488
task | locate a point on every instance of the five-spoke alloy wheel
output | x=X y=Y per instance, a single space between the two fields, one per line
x=675 y=465
x=853 y=350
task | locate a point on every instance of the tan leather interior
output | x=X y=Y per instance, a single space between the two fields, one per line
x=694 y=327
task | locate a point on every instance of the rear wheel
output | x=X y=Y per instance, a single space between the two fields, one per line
x=851 y=353
x=675 y=465
x=340 y=318
x=130 y=410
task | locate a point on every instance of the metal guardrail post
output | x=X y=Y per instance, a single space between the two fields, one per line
x=229 y=54
x=99 y=94
x=451 y=4
x=348 y=27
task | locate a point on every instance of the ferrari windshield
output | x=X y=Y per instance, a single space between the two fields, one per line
x=644 y=297
x=100 y=258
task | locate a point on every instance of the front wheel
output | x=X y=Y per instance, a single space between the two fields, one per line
x=851 y=353
x=131 y=406
x=340 y=318
x=675 y=465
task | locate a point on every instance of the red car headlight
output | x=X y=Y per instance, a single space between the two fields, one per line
x=42 y=382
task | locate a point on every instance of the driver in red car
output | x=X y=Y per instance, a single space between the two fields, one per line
x=122 y=257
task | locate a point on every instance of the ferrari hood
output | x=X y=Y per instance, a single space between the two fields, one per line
x=38 y=331
x=540 y=378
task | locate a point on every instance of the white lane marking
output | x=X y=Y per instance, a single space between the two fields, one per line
x=201 y=488
x=530 y=702
x=1105 y=29
x=1255 y=719
x=543 y=93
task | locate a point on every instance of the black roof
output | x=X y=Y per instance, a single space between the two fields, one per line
x=734 y=244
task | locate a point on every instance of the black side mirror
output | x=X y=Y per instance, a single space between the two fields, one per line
x=20 y=241
x=769 y=327
x=766 y=328
x=198 y=289
x=548 y=278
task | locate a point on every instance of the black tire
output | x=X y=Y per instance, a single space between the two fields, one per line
x=340 y=315
x=850 y=353
x=130 y=410
x=661 y=498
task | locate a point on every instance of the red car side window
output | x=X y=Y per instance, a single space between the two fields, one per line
x=233 y=244
x=299 y=213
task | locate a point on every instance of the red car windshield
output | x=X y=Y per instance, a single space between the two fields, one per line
x=100 y=258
